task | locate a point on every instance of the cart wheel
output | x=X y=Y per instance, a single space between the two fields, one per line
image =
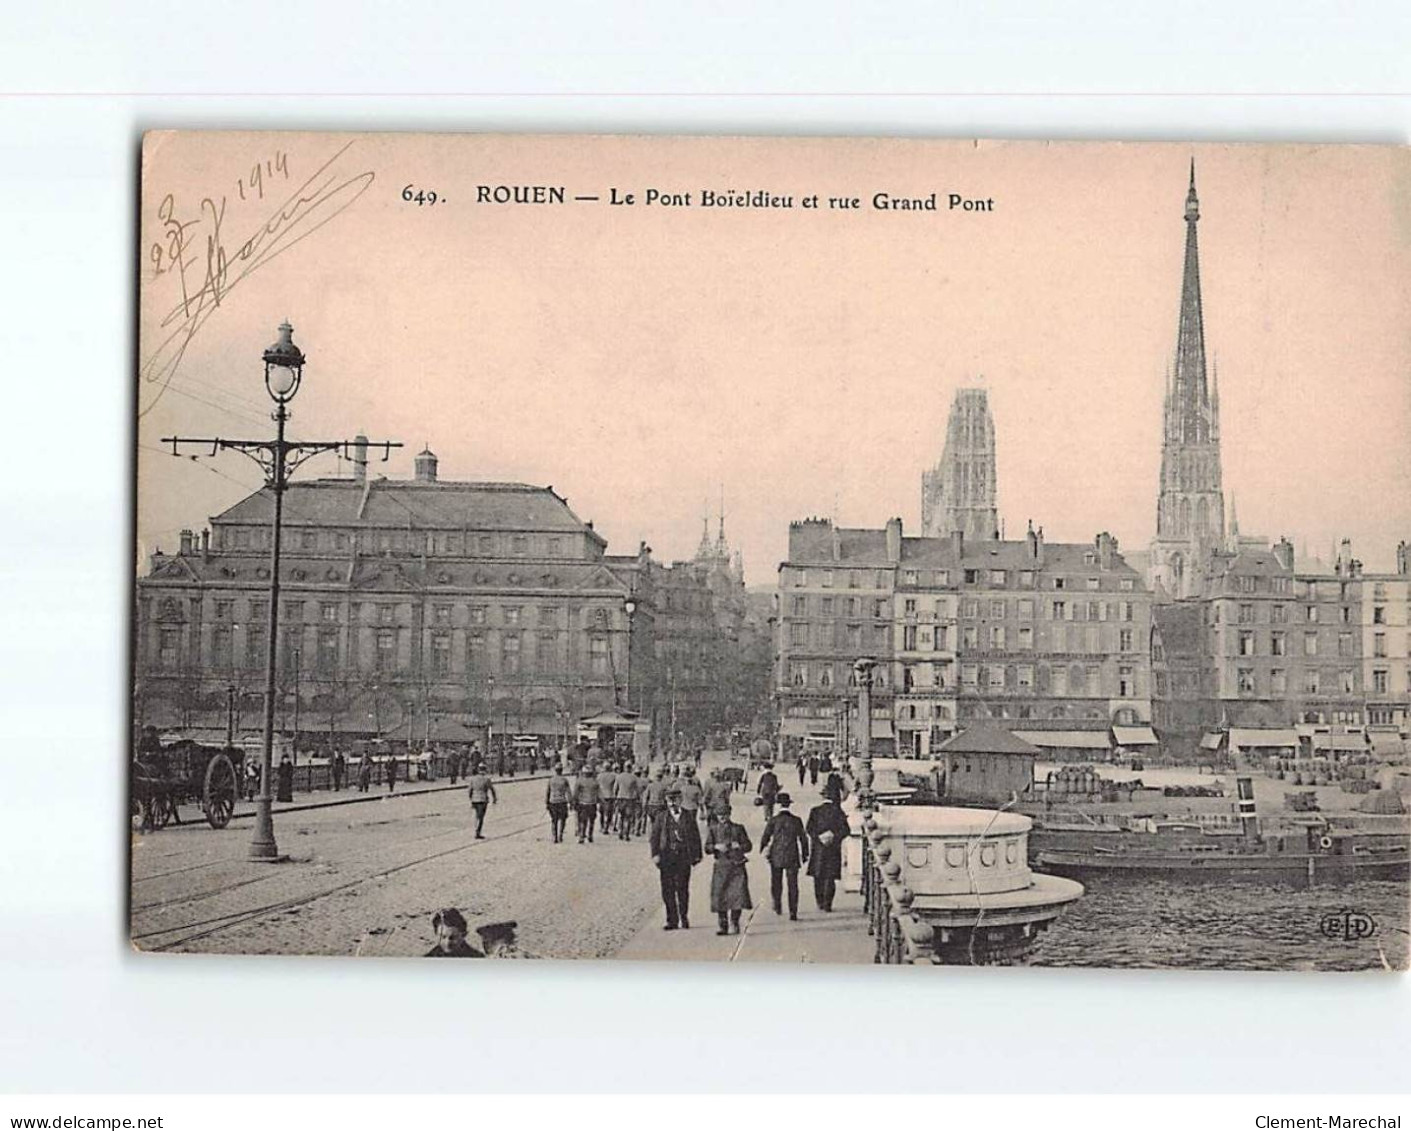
x=221 y=788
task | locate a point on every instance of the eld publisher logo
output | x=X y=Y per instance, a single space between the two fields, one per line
x=1349 y=926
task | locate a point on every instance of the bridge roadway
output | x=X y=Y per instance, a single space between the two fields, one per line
x=366 y=872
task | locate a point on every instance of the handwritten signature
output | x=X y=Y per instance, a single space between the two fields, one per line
x=207 y=276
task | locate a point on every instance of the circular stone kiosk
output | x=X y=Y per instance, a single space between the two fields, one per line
x=953 y=886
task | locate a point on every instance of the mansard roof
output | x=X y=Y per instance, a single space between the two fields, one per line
x=420 y=505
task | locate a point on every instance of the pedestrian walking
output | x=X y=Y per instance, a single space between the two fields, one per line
x=729 y=843
x=834 y=784
x=455 y=765
x=482 y=794
x=585 y=800
x=364 y=772
x=767 y=790
x=654 y=797
x=340 y=769
x=252 y=780
x=607 y=783
x=676 y=849
x=285 y=790
x=627 y=792
x=390 y=769
x=803 y=769
x=691 y=792
x=827 y=829
x=557 y=795
x=813 y=769
x=785 y=845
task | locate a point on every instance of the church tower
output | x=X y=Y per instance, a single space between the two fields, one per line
x=1190 y=506
x=958 y=494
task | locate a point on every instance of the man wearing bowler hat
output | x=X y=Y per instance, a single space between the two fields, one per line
x=676 y=849
x=785 y=845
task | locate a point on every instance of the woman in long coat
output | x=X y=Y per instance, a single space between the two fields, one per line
x=729 y=882
x=286 y=780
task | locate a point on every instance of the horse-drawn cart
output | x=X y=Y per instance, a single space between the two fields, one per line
x=167 y=777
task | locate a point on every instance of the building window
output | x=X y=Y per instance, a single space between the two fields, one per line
x=972 y=576
x=1310 y=643
x=221 y=654
x=1024 y=676
x=1279 y=682
x=328 y=612
x=1278 y=644
x=386 y=614
x=854 y=579
x=1026 y=577
x=386 y=649
x=442 y=614
x=1246 y=681
x=223 y=609
x=825 y=578
x=911 y=577
x=1026 y=608
x=942 y=577
x=800 y=606
x=1246 y=643
x=1059 y=682
x=970 y=636
x=908 y=638
x=1279 y=614
x=477 y=614
x=798 y=634
x=855 y=637
x=998 y=608
x=554 y=546
x=293 y=610
x=879 y=610
x=1346 y=681
x=475 y=650
x=969 y=675
x=1060 y=610
x=1344 y=643
x=997 y=577
x=1124 y=640
x=798 y=675
x=1379 y=614
x=1126 y=683
x=255 y=637
x=825 y=675
x=1310 y=614
x=1246 y=614
x=1379 y=681
x=598 y=655
x=511 y=614
x=326 y=656
x=1379 y=644
x=997 y=637
x=969 y=607
x=1058 y=582
x=308 y=540
x=441 y=653
x=1026 y=638
x=1346 y=614
x=909 y=607
x=1310 y=681
x=995 y=677
x=1246 y=584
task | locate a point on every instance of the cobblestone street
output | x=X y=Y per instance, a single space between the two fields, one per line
x=365 y=877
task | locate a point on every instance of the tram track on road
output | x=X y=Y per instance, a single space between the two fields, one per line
x=203 y=928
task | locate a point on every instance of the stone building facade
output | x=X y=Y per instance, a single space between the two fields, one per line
x=1024 y=634
x=402 y=601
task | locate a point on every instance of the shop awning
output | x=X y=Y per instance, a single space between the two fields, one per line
x=1341 y=743
x=1256 y=737
x=1134 y=736
x=1067 y=739
x=882 y=728
x=1387 y=745
x=1212 y=741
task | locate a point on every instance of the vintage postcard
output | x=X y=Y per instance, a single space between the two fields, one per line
x=772 y=550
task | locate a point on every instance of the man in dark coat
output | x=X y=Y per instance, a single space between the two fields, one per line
x=768 y=790
x=729 y=843
x=813 y=769
x=827 y=829
x=390 y=766
x=676 y=849
x=803 y=769
x=340 y=769
x=785 y=845
x=286 y=780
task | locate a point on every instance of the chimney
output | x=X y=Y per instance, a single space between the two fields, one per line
x=1033 y=540
x=185 y=543
x=426 y=466
x=894 y=539
x=1104 y=550
x=360 y=458
x=1039 y=547
x=1283 y=554
x=1344 y=562
x=1403 y=558
x=206 y=543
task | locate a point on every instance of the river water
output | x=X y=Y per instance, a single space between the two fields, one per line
x=1235 y=925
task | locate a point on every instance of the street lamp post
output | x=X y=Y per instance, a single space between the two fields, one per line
x=284 y=372
x=629 y=606
x=489 y=717
x=295 y=658
x=862 y=669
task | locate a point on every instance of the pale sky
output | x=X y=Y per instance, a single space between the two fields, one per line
x=639 y=357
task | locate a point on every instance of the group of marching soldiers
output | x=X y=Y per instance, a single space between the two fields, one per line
x=616 y=796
